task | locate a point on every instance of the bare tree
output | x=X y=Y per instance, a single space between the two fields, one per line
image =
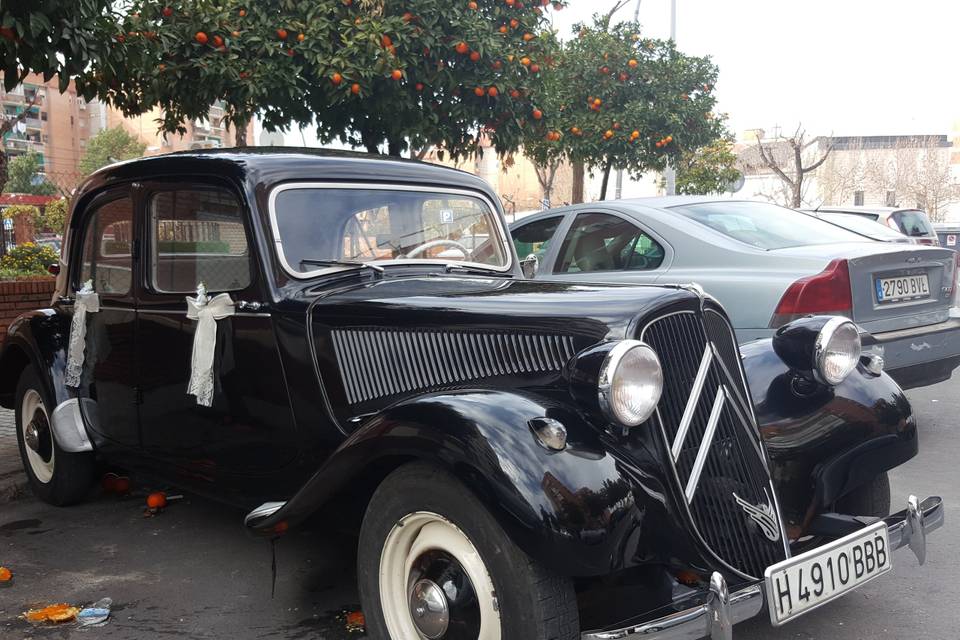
x=790 y=167
x=918 y=173
x=844 y=172
x=547 y=174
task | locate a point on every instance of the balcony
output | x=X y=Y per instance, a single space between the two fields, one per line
x=33 y=123
x=19 y=144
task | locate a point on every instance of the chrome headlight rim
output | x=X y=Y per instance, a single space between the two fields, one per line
x=607 y=378
x=821 y=349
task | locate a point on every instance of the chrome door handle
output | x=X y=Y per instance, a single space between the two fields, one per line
x=243 y=305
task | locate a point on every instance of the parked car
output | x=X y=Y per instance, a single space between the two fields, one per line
x=913 y=223
x=767 y=265
x=862 y=226
x=947 y=234
x=531 y=459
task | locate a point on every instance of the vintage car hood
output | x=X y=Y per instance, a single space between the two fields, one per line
x=378 y=342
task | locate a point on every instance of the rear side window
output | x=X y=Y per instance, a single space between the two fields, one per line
x=601 y=242
x=535 y=238
x=107 y=257
x=197 y=235
x=914 y=223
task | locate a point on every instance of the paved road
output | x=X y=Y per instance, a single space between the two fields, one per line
x=193 y=572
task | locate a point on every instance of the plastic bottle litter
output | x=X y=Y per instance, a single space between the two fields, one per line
x=95 y=615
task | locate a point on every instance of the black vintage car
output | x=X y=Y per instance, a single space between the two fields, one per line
x=279 y=329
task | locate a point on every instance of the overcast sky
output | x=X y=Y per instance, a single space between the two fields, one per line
x=847 y=67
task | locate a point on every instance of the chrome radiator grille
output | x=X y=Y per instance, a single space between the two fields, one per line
x=376 y=363
x=708 y=426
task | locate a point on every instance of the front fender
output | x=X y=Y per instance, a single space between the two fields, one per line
x=576 y=511
x=38 y=338
x=823 y=441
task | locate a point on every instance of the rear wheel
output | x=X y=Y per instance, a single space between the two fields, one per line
x=433 y=564
x=871 y=499
x=56 y=476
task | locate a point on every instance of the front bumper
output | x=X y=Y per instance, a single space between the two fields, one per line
x=720 y=610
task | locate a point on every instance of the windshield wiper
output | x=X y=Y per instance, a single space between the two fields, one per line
x=464 y=268
x=344 y=263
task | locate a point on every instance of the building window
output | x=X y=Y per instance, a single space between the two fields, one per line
x=891 y=199
x=858 y=198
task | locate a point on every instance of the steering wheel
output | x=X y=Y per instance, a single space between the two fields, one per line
x=442 y=242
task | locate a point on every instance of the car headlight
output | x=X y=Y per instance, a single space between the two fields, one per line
x=630 y=383
x=836 y=351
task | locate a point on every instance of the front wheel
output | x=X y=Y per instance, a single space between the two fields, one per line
x=56 y=476
x=433 y=564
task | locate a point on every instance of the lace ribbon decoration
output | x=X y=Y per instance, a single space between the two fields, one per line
x=87 y=300
x=206 y=311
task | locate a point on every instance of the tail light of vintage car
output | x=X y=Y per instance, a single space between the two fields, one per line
x=826 y=293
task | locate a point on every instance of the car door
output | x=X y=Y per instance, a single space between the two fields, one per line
x=105 y=257
x=200 y=232
x=536 y=239
x=602 y=246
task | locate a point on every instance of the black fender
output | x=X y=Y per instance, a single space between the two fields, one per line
x=577 y=511
x=38 y=338
x=825 y=441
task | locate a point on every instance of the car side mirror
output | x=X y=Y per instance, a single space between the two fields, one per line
x=530 y=265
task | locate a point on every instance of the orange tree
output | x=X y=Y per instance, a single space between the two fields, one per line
x=621 y=101
x=369 y=72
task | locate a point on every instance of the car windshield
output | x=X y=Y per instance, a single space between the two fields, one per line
x=859 y=224
x=766 y=226
x=914 y=223
x=317 y=224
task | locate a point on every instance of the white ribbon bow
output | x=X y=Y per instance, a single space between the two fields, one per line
x=206 y=311
x=87 y=300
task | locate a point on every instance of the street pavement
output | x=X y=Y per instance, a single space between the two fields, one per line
x=193 y=572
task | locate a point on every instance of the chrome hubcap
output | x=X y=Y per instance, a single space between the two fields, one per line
x=428 y=606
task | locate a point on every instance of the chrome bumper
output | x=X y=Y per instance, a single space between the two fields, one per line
x=715 y=618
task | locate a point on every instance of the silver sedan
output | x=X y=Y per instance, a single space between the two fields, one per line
x=767 y=265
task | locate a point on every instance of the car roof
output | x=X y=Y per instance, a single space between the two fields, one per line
x=269 y=165
x=876 y=210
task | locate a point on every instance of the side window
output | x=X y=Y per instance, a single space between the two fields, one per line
x=197 y=235
x=107 y=257
x=535 y=237
x=601 y=242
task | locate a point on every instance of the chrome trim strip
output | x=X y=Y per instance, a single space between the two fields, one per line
x=374 y=186
x=691 y=409
x=262 y=512
x=820 y=348
x=183 y=312
x=708 y=434
x=696 y=622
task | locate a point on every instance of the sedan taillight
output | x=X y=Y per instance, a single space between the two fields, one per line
x=826 y=293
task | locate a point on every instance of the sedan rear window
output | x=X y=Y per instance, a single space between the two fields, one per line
x=914 y=223
x=765 y=226
x=315 y=225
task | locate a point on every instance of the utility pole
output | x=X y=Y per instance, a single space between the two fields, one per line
x=670 y=174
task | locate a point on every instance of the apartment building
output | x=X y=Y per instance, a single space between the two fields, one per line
x=58 y=126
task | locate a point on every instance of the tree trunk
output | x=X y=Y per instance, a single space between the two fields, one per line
x=240 y=129
x=797 y=188
x=3 y=169
x=576 y=194
x=606 y=181
x=393 y=148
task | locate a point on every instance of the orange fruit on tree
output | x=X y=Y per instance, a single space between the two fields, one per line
x=462 y=48
x=607 y=134
x=161 y=67
x=479 y=92
x=534 y=68
x=472 y=6
x=514 y=23
x=396 y=74
x=242 y=12
x=503 y=28
x=632 y=63
x=497 y=64
x=493 y=92
x=525 y=61
x=635 y=134
x=510 y=3
x=475 y=56
x=200 y=37
x=355 y=88
x=336 y=78
x=282 y=34
x=669 y=139
x=419 y=86
x=157 y=500
x=217 y=41
x=616 y=126
x=528 y=36
x=301 y=37
x=537 y=114
x=167 y=12
x=597 y=102
x=407 y=17
x=623 y=77
x=235 y=34
x=514 y=93
x=385 y=40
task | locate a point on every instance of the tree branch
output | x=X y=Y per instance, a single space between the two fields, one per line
x=819 y=162
x=768 y=160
